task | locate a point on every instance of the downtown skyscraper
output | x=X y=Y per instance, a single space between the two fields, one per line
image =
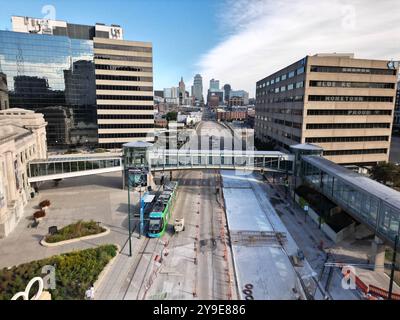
x=198 y=88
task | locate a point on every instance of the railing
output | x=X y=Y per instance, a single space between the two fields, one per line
x=59 y=168
x=367 y=201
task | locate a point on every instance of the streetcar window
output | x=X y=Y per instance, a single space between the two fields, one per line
x=154 y=224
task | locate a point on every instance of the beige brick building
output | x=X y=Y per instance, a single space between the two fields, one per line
x=343 y=104
x=124 y=89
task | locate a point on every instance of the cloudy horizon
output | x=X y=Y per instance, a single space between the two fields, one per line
x=263 y=36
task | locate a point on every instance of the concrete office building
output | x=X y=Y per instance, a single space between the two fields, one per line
x=343 y=104
x=124 y=81
x=238 y=96
x=213 y=93
x=22 y=138
x=104 y=83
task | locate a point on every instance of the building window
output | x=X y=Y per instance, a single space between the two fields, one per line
x=355 y=151
x=116 y=107
x=347 y=125
x=121 y=47
x=347 y=84
x=126 y=126
x=299 y=84
x=123 y=78
x=346 y=139
x=338 y=112
x=119 y=97
x=353 y=70
x=125 y=116
x=300 y=70
x=123 y=88
x=123 y=135
x=122 y=58
x=123 y=68
x=350 y=98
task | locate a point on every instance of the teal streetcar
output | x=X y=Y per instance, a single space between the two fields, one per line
x=162 y=210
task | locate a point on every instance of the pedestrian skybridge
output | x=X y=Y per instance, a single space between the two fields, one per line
x=167 y=159
x=62 y=167
x=367 y=201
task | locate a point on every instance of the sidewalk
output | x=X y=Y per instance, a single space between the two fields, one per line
x=307 y=237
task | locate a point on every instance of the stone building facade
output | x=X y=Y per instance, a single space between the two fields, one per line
x=22 y=138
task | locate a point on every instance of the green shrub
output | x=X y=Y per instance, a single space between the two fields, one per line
x=75 y=230
x=75 y=272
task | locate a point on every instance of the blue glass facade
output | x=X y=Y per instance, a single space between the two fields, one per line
x=54 y=75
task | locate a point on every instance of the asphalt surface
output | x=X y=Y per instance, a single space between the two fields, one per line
x=194 y=267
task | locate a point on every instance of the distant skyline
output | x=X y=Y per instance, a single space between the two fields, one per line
x=235 y=41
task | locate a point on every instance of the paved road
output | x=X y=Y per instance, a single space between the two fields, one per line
x=194 y=267
x=193 y=264
x=212 y=135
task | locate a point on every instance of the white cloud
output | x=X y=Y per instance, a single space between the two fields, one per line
x=262 y=36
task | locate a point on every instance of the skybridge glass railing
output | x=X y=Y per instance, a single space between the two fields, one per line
x=366 y=200
x=220 y=159
x=70 y=165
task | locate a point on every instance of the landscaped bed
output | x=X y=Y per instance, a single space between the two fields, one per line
x=75 y=230
x=75 y=272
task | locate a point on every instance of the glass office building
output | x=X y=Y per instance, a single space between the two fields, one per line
x=93 y=87
x=54 y=75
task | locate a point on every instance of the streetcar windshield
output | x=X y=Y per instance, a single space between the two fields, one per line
x=154 y=224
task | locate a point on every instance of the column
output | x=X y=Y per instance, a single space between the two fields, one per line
x=378 y=254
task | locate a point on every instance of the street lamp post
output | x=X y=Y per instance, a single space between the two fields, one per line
x=129 y=217
x=141 y=213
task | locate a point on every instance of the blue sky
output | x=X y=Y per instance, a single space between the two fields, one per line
x=180 y=30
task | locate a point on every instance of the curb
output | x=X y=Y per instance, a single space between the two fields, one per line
x=60 y=243
x=103 y=273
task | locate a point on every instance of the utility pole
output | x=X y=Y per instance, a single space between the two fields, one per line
x=141 y=213
x=393 y=267
x=129 y=217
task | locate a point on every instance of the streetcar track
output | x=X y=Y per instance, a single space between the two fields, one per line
x=138 y=259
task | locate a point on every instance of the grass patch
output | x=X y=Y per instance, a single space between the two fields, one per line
x=75 y=230
x=75 y=272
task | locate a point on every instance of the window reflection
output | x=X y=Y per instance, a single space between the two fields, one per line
x=54 y=75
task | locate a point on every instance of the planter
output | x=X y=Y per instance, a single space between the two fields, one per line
x=61 y=243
